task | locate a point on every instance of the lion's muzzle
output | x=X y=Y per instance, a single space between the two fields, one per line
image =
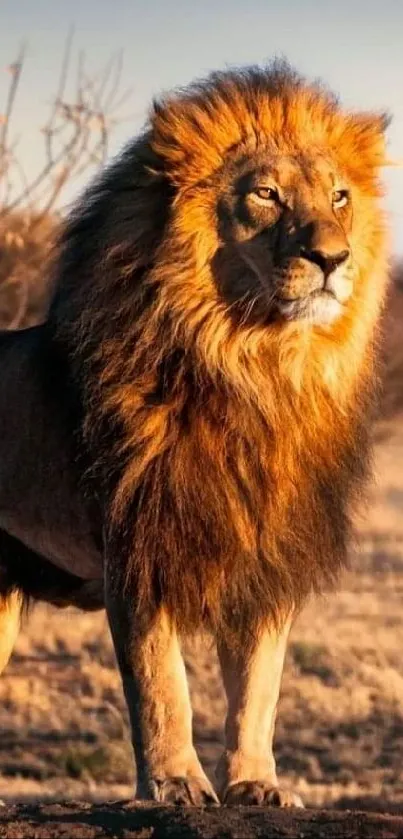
x=314 y=287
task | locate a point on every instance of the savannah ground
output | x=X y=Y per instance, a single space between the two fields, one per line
x=63 y=722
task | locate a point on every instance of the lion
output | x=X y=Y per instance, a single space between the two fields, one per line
x=186 y=437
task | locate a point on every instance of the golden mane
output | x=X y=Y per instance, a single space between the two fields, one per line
x=227 y=456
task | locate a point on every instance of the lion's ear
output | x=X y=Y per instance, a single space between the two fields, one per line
x=181 y=136
x=369 y=133
x=360 y=145
x=167 y=135
x=191 y=135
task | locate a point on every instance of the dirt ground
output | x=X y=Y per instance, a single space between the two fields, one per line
x=339 y=742
x=141 y=820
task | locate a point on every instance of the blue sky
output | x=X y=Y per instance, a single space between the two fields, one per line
x=356 y=46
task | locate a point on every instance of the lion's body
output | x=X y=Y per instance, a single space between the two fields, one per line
x=41 y=501
x=208 y=458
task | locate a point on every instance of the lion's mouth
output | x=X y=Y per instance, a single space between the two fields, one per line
x=319 y=307
x=317 y=292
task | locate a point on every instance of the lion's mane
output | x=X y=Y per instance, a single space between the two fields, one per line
x=226 y=458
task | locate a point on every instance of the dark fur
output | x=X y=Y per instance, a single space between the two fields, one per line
x=37 y=579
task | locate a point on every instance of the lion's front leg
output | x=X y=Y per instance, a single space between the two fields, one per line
x=155 y=686
x=252 y=677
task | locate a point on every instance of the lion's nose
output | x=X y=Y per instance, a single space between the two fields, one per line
x=327 y=261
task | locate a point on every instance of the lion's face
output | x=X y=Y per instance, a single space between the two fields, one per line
x=276 y=216
x=285 y=225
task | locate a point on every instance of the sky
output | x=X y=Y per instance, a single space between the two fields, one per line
x=356 y=46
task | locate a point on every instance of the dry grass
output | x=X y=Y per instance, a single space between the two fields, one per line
x=25 y=246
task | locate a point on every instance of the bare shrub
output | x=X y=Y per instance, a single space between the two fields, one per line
x=75 y=139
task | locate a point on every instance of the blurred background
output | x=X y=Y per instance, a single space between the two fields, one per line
x=76 y=80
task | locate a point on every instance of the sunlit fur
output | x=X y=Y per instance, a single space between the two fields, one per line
x=226 y=455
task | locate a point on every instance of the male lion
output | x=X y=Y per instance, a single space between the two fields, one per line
x=190 y=426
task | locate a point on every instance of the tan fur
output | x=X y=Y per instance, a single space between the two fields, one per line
x=246 y=772
x=10 y=614
x=155 y=686
x=209 y=364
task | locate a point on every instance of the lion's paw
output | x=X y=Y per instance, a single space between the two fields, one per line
x=261 y=793
x=187 y=791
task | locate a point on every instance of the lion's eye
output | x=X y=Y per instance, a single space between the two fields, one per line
x=340 y=198
x=265 y=195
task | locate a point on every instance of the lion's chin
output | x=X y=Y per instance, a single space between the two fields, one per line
x=318 y=309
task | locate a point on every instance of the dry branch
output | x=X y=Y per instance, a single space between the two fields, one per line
x=76 y=133
x=76 y=137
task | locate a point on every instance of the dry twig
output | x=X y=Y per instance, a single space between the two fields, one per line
x=75 y=138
